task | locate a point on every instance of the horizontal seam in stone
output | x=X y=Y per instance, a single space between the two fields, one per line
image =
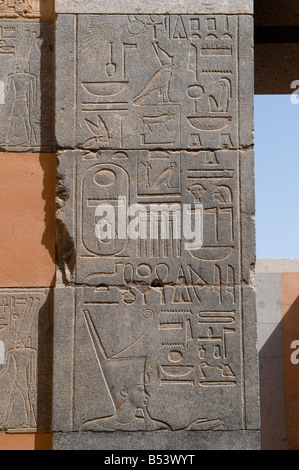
x=155 y=149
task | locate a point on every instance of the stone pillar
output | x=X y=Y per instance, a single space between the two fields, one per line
x=155 y=333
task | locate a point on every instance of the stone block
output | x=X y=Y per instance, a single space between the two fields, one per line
x=27 y=85
x=66 y=91
x=167 y=82
x=27 y=9
x=190 y=368
x=217 y=440
x=26 y=344
x=157 y=6
x=176 y=366
x=88 y=180
x=247 y=218
x=27 y=230
x=63 y=358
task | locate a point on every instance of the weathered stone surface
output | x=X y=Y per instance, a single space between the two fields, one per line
x=87 y=180
x=217 y=440
x=247 y=204
x=66 y=80
x=192 y=314
x=26 y=344
x=63 y=358
x=27 y=85
x=151 y=335
x=156 y=6
x=27 y=8
x=148 y=82
x=184 y=357
x=185 y=352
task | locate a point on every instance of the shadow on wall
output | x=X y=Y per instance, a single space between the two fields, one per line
x=46 y=8
x=45 y=365
x=47 y=84
x=279 y=377
x=43 y=438
x=25 y=441
x=272 y=394
x=43 y=442
x=47 y=119
x=290 y=301
x=48 y=164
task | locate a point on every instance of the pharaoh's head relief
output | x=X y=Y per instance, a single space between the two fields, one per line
x=128 y=383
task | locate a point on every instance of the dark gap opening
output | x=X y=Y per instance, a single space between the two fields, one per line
x=157 y=283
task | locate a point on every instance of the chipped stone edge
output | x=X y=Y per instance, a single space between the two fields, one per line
x=236 y=7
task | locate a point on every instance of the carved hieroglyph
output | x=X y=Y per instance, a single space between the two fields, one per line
x=154 y=335
x=27 y=8
x=27 y=85
x=153 y=306
x=151 y=81
x=146 y=178
x=24 y=320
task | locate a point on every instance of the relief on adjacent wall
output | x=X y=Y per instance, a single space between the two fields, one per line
x=19 y=320
x=26 y=67
x=27 y=8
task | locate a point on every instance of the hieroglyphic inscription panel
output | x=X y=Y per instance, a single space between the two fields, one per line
x=152 y=305
x=152 y=332
x=155 y=81
x=25 y=367
x=149 y=179
x=27 y=85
